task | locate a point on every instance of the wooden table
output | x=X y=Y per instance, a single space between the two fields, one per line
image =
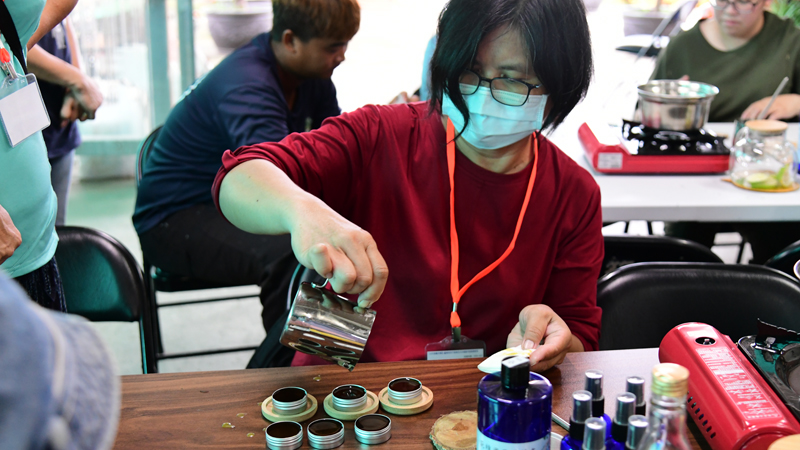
x=187 y=410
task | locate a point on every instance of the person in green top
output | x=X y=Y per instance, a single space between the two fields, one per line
x=27 y=202
x=745 y=51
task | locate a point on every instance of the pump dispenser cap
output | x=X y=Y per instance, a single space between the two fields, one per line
x=581 y=406
x=637 y=426
x=515 y=372
x=594 y=435
x=635 y=385
x=594 y=383
x=626 y=404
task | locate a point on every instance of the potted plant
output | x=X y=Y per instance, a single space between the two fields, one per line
x=644 y=16
x=787 y=8
x=234 y=23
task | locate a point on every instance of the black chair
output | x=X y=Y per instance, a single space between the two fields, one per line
x=669 y=27
x=786 y=259
x=103 y=282
x=159 y=280
x=624 y=250
x=642 y=302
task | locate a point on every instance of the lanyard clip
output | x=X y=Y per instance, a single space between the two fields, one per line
x=456 y=334
x=7 y=65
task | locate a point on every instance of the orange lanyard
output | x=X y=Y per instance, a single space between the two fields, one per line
x=455 y=292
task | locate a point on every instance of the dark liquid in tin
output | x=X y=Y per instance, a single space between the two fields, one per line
x=283 y=429
x=325 y=427
x=290 y=394
x=372 y=422
x=349 y=392
x=404 y=385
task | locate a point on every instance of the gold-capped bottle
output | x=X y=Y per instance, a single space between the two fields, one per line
x=666 y=429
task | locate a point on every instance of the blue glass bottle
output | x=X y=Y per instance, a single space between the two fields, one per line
x=514 y=408
x=581 y=412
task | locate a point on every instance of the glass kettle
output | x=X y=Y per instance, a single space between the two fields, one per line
x=762 y=159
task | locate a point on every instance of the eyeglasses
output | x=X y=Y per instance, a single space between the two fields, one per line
x=507 y=91
x=741 y=6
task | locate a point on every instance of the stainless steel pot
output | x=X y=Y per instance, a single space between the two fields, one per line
x=675 y=105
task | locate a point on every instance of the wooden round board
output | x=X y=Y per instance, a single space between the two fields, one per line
x=369 y=408
x=425 y=402
x=455 y=431
x=269 y=412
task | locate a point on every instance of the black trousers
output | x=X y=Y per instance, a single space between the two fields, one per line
x=198 y=242
x=766 y=239
x=43 y=286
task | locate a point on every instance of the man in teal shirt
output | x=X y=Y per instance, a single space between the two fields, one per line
x=27 y=202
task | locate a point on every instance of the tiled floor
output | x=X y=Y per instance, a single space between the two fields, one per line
x=384 y=58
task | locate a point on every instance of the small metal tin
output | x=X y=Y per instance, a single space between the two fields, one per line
x=405 y=391
x=373 y=429
x=349 y=397
x=325 y=433
x=289 y=400
x=284 y=436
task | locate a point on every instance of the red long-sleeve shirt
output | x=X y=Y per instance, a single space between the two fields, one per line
x=385 y=169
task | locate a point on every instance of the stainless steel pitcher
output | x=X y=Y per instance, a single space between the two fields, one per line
x=327 y=325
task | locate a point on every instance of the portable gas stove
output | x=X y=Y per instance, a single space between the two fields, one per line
x=742 y=396
x=635 y=148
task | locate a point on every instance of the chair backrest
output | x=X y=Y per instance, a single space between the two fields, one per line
x=103 y=282
x=786 y=259
x=624 y=250
x=144 y=153
x=642 y=302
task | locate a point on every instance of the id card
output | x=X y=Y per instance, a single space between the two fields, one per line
x=447 y=348
x=22 y=109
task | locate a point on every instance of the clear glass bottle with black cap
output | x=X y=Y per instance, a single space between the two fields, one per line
x=626 y=405
x=594 y=384
x=666 y=428
x=514 y=407
x=594 y=434
x=637 y=426
x=581 y=412
x=635 y=385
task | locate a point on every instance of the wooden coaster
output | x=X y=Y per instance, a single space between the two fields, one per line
x=270 y=414
x=455 y=431
x=425 y=402
x=371 y=406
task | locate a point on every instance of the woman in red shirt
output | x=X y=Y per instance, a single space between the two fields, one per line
x=457 y=212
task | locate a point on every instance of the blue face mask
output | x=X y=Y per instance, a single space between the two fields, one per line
x=493 y=125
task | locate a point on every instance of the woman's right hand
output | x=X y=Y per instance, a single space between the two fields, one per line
x=338 y=250
x=259 y=198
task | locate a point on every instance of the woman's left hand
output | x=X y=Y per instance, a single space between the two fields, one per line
x=785 y=106
x=540 y=328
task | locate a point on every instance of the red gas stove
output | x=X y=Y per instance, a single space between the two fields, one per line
x=742 y=396
x=635 y=148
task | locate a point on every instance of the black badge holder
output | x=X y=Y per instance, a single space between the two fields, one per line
x=455 y=346
x=22 y=109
